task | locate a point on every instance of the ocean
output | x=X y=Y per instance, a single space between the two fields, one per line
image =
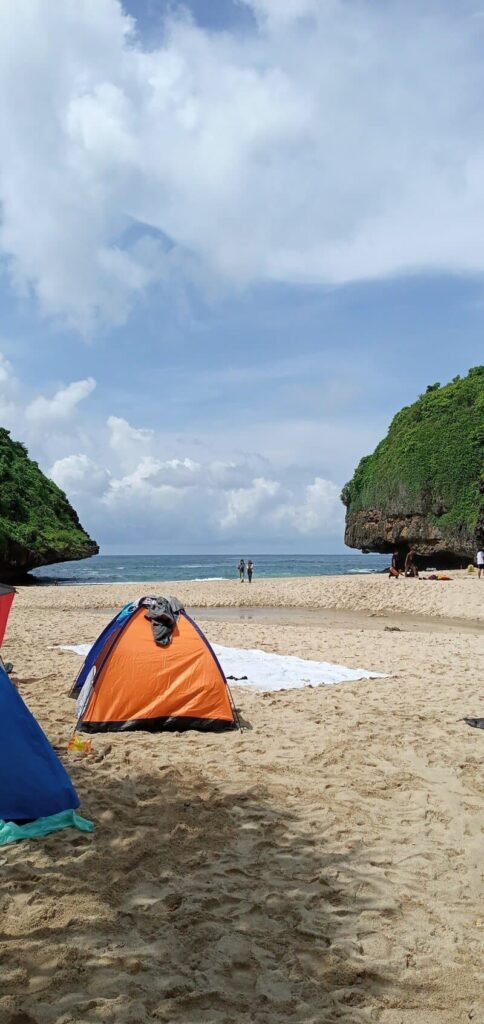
x=140 y=568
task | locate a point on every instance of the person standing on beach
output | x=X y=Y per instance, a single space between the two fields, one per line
x=250 y=570
x=241 y=568
x=411 y=568
x=480 y=563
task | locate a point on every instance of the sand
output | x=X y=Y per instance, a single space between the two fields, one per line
x=324 y=866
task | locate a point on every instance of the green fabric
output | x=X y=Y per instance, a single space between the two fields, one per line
x=11 y=833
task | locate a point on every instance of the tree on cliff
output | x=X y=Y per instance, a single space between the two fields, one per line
x=38 y=526
x=424 y=484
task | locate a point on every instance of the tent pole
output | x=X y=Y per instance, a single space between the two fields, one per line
x=234 y=709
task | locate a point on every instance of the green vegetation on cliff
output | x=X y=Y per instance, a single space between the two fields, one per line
x=431 y=461
x=37 y=523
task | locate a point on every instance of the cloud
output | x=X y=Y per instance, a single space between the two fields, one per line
x=321 y=509
x=51 y=423
x=134 y=485
x=246 y=503
x=275 y=13
x=152 y=476
x=179 y=500
x=229 y=475
x=6 y=371
x=8 y=392
x=62 y=406
x=79 y=476
x=127 y=442
x=277 y=508
x=329 y=145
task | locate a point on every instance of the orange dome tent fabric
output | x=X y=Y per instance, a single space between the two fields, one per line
x=128 y=682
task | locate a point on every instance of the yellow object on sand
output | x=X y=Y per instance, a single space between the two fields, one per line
x=79 y=743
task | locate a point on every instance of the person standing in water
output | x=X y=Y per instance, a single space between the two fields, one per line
x=241 y=568
x=250 y=570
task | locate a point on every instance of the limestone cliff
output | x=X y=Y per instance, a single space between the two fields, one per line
x=424 y=484
x=38 y=526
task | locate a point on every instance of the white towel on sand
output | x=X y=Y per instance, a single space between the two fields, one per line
x=265 y=672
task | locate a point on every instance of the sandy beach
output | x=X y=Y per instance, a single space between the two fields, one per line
x=323 y=866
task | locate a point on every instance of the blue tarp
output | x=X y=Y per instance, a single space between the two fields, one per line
x=33 y=782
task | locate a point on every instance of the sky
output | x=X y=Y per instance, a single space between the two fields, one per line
x=236 y=237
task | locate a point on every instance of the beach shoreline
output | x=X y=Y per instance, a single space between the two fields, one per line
x=459 y=597
x=323 y=864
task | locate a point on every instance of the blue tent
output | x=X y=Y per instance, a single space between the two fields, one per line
x=103 y=647
x=33 y=783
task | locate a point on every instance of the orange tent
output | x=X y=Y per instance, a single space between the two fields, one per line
x=129 y=682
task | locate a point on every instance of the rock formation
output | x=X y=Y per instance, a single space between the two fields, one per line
x=423 y=487
x=38 y=526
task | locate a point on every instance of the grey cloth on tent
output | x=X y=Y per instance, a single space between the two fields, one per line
x=163 y=613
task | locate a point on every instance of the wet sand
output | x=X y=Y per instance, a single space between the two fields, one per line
x=323 y=866
x=335 y=618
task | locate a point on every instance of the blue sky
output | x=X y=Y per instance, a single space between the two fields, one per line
x=233 y=245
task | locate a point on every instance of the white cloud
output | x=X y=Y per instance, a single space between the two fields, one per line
x=328 y=145
x=79 y=476
x=247 y=503
x=128 y=442
x=229 y=475
x=281 y=510
x=63 y=405
x=8 y=393
x=186 y=470
x=52 y=422
x=6 y=371
x=151 y=475
x=321 y=509
x=279 y=12
x=180 y=499
x=131 y=484
x=142 y=479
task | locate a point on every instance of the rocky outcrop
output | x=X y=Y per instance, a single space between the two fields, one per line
x=38 y=526
x=16 y=560
x=372 y=530
x=423 y=487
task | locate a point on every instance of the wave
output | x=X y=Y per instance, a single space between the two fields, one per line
x=364 y=571
x=195 y=565
x=204 y=579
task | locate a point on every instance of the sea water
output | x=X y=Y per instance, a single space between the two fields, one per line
x=153 y=568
